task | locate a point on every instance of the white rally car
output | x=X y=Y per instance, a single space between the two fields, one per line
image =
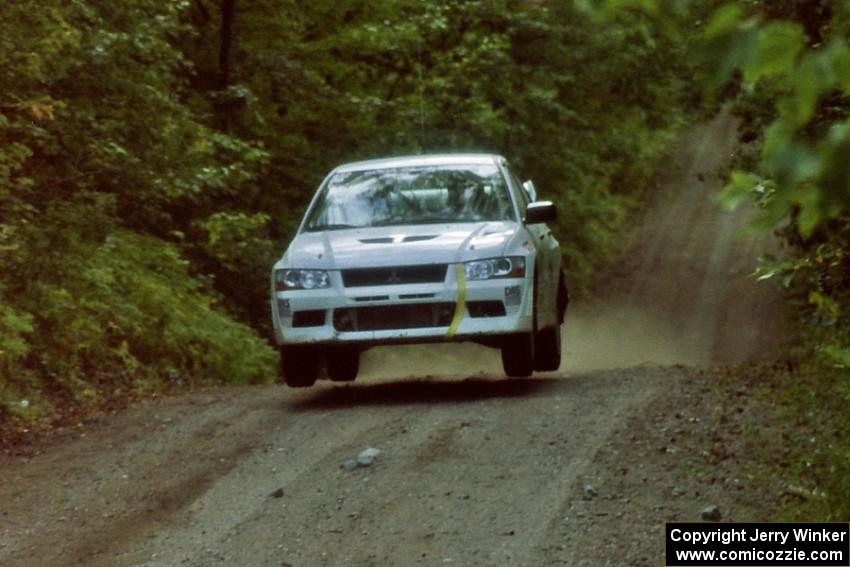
x=420 y=249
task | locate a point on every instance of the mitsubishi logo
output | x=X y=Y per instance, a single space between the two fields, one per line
x=393 y=277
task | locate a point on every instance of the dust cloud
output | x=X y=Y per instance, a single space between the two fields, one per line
x=681 y=294
x=445 y=360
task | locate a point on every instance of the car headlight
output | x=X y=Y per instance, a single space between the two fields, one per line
x=505 y=267
x=301 y=279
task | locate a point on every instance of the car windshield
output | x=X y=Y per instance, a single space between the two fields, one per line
x=412 y=195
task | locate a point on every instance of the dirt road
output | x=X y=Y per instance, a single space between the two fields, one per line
x=571 y=468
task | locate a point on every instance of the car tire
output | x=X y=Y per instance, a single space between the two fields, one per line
x=563 y=297
x=299 y=365
x=547 y=352
x=343 y=364
x=518 y=355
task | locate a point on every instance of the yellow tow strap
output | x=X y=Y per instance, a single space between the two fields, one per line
x=461 y=300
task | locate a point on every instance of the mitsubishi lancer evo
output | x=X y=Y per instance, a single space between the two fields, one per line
x=420 y=249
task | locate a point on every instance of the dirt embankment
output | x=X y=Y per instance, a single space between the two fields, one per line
x=579 y=467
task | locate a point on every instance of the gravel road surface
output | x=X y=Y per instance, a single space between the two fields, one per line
x=568 y=468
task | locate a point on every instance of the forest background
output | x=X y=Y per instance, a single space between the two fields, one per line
x=155 y=156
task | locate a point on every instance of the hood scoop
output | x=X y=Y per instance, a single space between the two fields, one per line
x=419 y=238
x=383 y=240
x=391 y=240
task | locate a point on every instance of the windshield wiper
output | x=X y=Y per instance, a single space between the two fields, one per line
x=335 y=226
x=427 y=220
x=396 y=222
x=439 y=220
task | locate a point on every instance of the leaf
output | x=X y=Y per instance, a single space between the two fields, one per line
x=793 y=164
x=810 y=216
x=730 y=45
x=825 y=306
x=41 y=112
x=841 y=65
x=648 y=6
x=724 y=21
x=769 y=267
x=787 y=279
x=834 y=178
x=839 y=355
x=810 y=79
x=776 y=50
x=740 y=187
x=779 y=134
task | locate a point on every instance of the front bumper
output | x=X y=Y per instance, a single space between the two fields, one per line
x=452 y=310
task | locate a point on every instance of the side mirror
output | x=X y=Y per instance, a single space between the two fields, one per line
x=540 y=211
x=530 y=190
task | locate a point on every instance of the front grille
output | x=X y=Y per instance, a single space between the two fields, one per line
x=309 y=318
x=392 y=317
x=394 y=275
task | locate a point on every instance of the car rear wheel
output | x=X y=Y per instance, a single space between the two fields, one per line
x=547 y=352
x=343 y=364
x=299 y=365
x=518 y=355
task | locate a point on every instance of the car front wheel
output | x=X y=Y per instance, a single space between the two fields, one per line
x=343 y=364
x=299 y=365
x=518 y=355
x=547 y=353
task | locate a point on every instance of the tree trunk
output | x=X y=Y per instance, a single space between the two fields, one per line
x=226 y=42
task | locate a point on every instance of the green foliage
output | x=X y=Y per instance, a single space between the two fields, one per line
x=544 y=84
x=795 y=100
x=816 y=443
x=233 y=238
x=145 y=191
x=99 y=156
x=234 y=247
x=819 y=282
x=134 y=296
x=807 y=161
x=128 y=308
x=801 y=72
x=787 y=63
x=14 y=327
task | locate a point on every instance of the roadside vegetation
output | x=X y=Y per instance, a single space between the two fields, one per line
x=788 y=65
x=784 y=67
x=156 y=156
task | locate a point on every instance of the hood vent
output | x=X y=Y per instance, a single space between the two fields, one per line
x=382 y=240
x=390 y=239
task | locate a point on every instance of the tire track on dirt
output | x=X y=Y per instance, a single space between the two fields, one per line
x=475 y=471
x=129 y=487
x=465 y=476
x=682 y=292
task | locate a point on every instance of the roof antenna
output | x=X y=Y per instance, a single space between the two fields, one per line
x=421 y=99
